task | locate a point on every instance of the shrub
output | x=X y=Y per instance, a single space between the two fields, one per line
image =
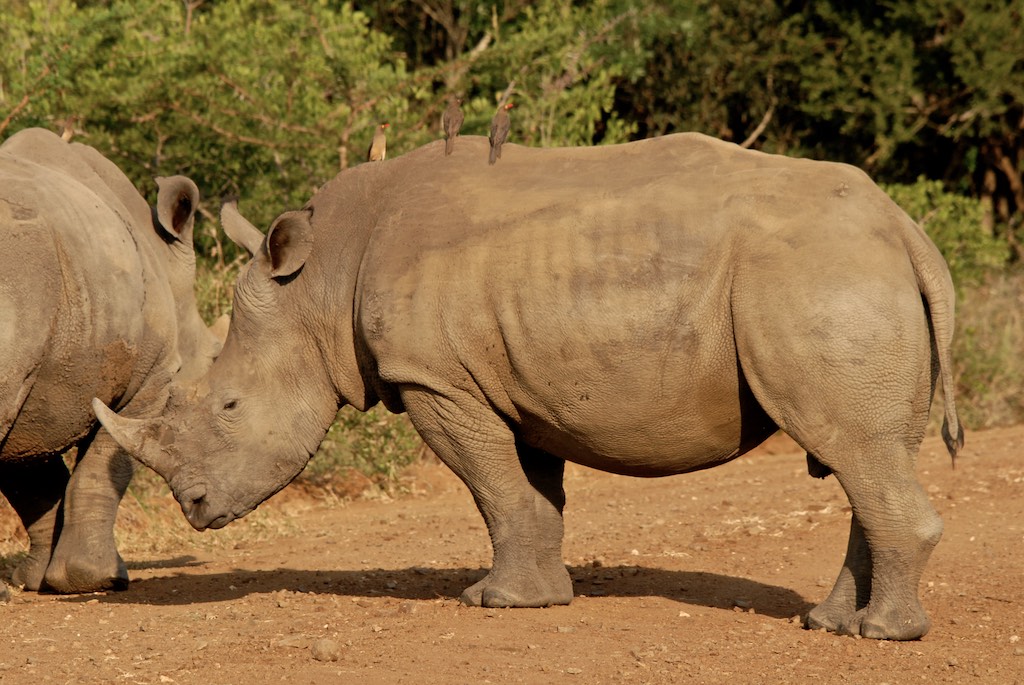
x=375 y=443
x=955 y=225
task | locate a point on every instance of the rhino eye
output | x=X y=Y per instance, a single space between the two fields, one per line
x=230 y=404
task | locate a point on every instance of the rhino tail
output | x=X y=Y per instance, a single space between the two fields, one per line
x=936 y=286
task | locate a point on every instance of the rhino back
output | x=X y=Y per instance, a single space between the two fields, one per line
x=71 y=278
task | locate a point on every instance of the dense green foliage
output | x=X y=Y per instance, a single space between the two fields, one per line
x=268 y=100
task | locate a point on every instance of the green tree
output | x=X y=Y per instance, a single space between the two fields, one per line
x=902 y=88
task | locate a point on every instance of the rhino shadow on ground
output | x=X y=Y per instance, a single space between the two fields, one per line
x=693 y=588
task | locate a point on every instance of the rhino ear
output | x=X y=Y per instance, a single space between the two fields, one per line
x=288 y=243
x=238 y=229
x=176 y=203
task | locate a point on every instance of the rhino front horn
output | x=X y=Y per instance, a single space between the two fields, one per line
x=141 y=438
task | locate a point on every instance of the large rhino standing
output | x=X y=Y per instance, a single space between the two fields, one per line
x=646 y=309
x=96 y=300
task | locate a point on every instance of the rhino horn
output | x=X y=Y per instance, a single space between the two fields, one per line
x=144 y=439
x=239 y=229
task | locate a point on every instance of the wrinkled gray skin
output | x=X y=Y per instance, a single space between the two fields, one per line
x=646 y=309
x=96 y=300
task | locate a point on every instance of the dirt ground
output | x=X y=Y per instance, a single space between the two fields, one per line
x=699 y=578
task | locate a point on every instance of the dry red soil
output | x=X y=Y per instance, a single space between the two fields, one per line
x=699 y=578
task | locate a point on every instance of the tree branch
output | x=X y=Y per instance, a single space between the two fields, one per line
x=24 y=101
x=760 y=128
x=14 y=112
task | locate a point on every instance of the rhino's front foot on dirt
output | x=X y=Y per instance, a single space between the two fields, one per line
x=92 y=571
x=536 y=591
x=908 y=623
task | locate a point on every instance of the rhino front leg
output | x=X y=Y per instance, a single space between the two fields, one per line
x=85 y=558
x=35 y=490
x=518 y=492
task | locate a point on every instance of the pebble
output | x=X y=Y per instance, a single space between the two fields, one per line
x=326 y=649
x=297 y=641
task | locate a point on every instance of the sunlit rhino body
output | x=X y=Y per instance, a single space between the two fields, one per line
x=647 y=309
x=96 y=300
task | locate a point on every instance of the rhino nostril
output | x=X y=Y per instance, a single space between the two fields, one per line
x=194 y=497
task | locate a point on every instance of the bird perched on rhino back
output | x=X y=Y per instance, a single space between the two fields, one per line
x=452 y=122
x=499 y=131
x=379 y=146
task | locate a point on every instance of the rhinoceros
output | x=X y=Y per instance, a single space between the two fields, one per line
x=96 y=300
x=646 y=309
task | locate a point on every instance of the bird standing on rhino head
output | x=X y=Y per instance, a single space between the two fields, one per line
x=499 y=131
x=379 y=146
x=452 y=122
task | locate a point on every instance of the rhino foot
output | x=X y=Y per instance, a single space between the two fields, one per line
x=910 y=624
x=536 y=592
x=85 y=574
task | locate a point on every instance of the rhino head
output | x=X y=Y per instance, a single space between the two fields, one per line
x=234 y=437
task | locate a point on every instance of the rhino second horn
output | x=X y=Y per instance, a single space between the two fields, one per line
x=136 y=437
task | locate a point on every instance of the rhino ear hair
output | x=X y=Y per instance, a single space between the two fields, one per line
x=176 y=203
x=238 y=229
x=288 y=243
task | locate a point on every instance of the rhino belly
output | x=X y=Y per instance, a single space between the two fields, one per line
x=646 y=433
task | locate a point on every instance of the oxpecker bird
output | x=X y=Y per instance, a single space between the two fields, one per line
x=499 y=131
x=68 y=131
x=379 y=146
x=452 y=122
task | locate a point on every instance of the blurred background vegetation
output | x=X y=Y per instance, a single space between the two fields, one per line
x=268 y=100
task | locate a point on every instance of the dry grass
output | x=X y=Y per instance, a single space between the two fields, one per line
x=987 y=352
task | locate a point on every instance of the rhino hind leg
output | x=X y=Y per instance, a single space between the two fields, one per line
x=860 y=415
x=852 y=590
x=85 y=558
x=35 y=490
x=518 y=491
x=892 y=534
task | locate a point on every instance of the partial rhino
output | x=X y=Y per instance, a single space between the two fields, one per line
x=646 y=309
x=96 y=300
